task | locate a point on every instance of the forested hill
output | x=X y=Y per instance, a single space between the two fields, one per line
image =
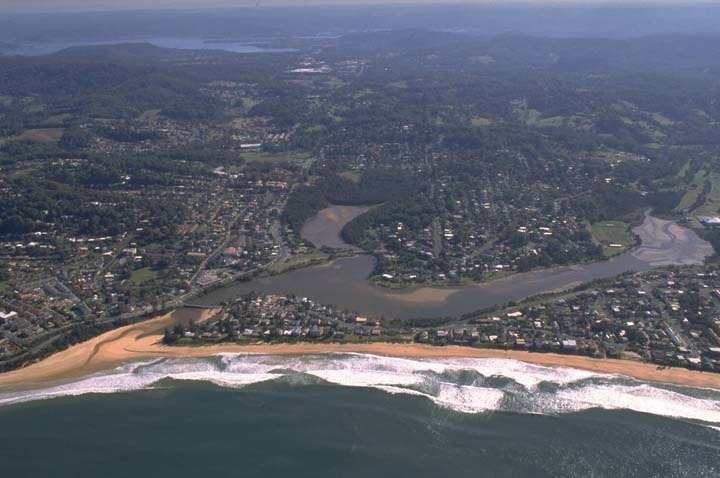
x=126 y=79
x=136 y=52
x=684 y=55
x=96 y=88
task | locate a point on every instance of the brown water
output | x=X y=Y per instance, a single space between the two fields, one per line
x=343 y=282
x=323 y=229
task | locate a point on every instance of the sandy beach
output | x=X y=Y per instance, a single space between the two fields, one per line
x=142 y=341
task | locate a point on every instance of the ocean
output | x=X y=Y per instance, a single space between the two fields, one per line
x=347 y=415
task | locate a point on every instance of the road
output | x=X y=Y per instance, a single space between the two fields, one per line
x=283 y=255
x=214 y=254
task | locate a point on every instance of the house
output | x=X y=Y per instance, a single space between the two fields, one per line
x=710 y=221
x=8 y=315
x=570 y=345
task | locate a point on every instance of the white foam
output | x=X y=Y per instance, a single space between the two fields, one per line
x=527 y=375
x=445 y=382
x=368 y=370
x=366 y=379
x=223 y=379
x=643 y=398
x=460 y=398
x=364 y=362
x=469 y=399
x=396 y=375
x=120 y=380
x=138 y=376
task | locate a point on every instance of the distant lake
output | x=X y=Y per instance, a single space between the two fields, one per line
x=235 y=46
x=343 y=282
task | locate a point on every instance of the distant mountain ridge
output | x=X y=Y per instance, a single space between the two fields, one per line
x=7 y=47
x=594 y=21
x=676 y=53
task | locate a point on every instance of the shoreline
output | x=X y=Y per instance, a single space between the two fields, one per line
x=347 y=282
x=142 y=341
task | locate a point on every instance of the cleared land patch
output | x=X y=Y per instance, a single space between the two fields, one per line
x=614 y=236
x=693 y=192
x=710 y=205
x=262 y=157
x=480 y=121
x=41 y=135
x=298 y=262
x=142 y=276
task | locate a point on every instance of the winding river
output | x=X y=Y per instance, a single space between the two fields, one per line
x=343 y=282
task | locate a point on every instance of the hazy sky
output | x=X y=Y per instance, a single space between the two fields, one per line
x=20 y=6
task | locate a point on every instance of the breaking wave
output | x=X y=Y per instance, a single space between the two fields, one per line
x=463 y=385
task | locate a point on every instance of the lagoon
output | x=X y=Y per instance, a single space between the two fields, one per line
x=343 y=282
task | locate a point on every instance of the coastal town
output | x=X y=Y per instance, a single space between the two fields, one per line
x=272 y=318
x=359 y=238
x=114 y=214
x=230 y=230
x=669 y=317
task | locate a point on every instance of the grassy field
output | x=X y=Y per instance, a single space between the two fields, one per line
x=480 y=121
x=551 y=121
x=298 y=262
x=316 y=128
x=335 y=82
x=58 y=119
x=684 y=170
x=529 y=116
x=353 y=176
x=694 y=190
x=648 y=128
x=142 y=276
x=533 y=117
x=41 y=135
x=248 y=102
x=261 y=157
x=336 y=118
x=580 y=121
x=711 y=204
x=483 y=59
x=149 y=116
x=660 y=119
x=612 y=232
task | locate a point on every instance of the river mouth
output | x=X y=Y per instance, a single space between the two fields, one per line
x=343 y=282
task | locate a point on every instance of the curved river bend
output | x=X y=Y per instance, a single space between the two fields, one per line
x=343 y=282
